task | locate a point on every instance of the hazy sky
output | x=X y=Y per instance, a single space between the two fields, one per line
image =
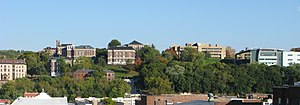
x=35 y=24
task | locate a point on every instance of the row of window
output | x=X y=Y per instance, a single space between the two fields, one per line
x=8 y=70
x=292 y=54
x=292 y=59
x=12 y=66
x=267 y=59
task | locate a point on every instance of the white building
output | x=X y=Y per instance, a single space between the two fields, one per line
x=12 y=69
x=120 y=55
x=267 y=56
x=42 y=99
x=290 y=58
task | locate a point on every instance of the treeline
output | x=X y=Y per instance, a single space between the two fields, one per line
x=95 y=86
x=196 y=72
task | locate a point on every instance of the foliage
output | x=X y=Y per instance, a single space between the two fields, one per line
x=109 y=101
x=114 y=43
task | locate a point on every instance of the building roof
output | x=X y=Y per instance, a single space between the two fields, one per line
x=42 y=99
x=12 y=61
x=198 y=102
x=84 y=47
x=136 y=42
x=65 y=44
x=84 y=71
x=108 y=71
x=120 y=48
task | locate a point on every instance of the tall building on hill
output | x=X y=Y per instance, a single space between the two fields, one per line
x=12 y=69
x=72 y=51
x=216 y=51
x=120 y=55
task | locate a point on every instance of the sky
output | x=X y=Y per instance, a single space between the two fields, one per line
x=35 y=24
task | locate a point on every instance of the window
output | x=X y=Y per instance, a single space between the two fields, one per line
x=290 y=54
x=298 y=59
x=290 y=59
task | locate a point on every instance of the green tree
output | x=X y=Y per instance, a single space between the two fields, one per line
x=190 y=54
x=114 y=43
x=149 y=55
x=109 y=101
x=83 y=63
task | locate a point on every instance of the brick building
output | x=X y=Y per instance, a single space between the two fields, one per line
x=170 y=99
x=11 y=69
x=286 y=95
x=30 y=95
x=81 y=74
x=72 y=51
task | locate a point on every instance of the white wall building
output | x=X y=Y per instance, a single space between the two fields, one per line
x=42 y=99
x=267 y=56
x=11 y=69
x=290 y=58
x=120 y=55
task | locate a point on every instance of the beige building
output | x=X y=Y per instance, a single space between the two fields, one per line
x=12 y=69
x=109 y=75
x=216 y=51
x=120 y=55
x=135 y=45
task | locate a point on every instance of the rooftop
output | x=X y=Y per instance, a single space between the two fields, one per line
x=12 y=61
x=84 y=47
x=136 y=42
x=120 y=48
x=42 y=99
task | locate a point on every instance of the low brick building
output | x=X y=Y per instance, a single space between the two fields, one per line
x=170 y=99
x=286 y=95
x=81 y=74
x=30 y=95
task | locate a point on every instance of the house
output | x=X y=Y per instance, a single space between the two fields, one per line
x=5 y=102
x=120 y=55
x=82 y=74
x=135 y=45
x=42 y=99
x=11 y=69
x=109 y=75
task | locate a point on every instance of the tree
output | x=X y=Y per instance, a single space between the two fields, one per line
x=157 y=86
x=83 y=63
x=148 y=55
x=63 y=67
x=114 y=43
x=230 y=53
x=190 y=54
x=109 y=101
